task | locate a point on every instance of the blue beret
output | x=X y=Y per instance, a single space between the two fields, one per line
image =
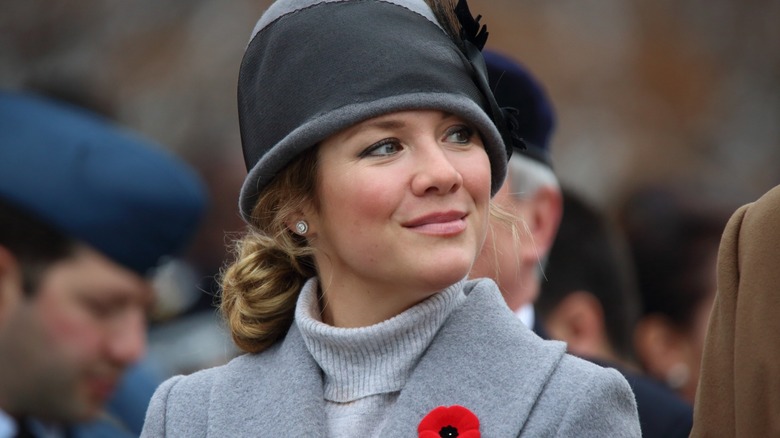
x=514 y=86
x=96 y=183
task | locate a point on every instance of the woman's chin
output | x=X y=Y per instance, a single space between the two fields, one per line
x=445 y=278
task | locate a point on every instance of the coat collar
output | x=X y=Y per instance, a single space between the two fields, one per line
x=276 y=393
x=483 y=358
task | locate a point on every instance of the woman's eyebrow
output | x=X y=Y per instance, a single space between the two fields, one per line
x=385 y=123
x=382 y=125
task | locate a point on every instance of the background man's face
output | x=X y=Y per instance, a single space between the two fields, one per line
x=72 y=339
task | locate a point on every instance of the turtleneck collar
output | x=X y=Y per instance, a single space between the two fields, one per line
x=359 y=362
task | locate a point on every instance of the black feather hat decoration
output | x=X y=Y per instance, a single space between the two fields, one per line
x=473 y=37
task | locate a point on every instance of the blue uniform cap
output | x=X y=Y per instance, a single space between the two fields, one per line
x=95 y=182
x=514 y=86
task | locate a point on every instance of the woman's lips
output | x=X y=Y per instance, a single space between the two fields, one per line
x=439 y=223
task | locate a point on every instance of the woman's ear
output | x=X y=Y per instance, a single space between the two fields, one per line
x=303 y=223
x=299 y=227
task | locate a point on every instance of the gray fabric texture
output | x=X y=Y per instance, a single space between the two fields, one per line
x=482 y=358
x=365 y=368
x=279 y=9
x=363 y=417
x=311 y=73
x=359 y=362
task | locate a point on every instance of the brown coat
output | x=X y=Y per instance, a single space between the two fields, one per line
x=739 y=388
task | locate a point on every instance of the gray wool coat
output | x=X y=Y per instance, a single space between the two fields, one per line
x=483 y=358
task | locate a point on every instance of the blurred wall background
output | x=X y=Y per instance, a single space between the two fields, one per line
x=686 y=92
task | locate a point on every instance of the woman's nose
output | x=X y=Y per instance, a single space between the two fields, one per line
x=435 y=172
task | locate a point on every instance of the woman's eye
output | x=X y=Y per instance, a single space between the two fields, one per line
x=382 y=148
x=460 y=134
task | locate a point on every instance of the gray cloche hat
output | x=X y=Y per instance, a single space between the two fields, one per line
x=315 y=67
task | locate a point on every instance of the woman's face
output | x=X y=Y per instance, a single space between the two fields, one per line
x=403 y=210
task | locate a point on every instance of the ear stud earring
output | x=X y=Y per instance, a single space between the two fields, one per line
x=301 y=227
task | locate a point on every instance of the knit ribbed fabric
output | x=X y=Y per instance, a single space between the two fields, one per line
x=365 y=368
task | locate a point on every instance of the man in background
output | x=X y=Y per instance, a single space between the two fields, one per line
x=674 y=235
x=87 y=212
x=514 y=257
x=590 y=300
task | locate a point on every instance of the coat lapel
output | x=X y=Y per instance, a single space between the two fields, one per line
x=276 y=394
x=280 y=393
x=484 y=359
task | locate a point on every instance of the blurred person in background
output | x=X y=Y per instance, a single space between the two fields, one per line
x=185 y=333
x=589 y=300
x=673 y=242
x=87 y=212
x=531 y=192
x=740 y=369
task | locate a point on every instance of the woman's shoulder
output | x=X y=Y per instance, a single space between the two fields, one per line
x=590 y=389
x=574 y=369
x=198 y=383
x=182 y=403
x=568 y=396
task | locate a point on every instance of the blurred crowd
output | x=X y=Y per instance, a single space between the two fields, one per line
x=627 y=280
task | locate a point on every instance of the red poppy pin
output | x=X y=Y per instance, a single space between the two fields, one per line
x=449 y=422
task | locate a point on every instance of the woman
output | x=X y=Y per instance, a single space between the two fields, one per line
x=373 y=151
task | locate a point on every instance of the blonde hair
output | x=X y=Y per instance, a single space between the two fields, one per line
x=261 y=286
